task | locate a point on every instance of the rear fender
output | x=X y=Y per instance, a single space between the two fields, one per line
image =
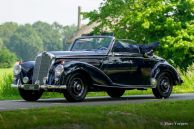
x=166 y=67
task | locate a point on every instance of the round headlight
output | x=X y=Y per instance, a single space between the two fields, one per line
x=17 y=69
x=59 y=70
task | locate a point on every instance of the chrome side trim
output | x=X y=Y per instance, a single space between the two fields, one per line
x=44 y=87
x=126 y=86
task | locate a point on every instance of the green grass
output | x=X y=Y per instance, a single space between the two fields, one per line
x=6 y=92
x=188 y=78
x=122 y=116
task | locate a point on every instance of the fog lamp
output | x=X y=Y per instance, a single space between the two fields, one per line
x=25 y=80
x=153 y=82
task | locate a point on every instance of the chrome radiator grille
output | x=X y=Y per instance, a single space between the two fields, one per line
x=42 y=65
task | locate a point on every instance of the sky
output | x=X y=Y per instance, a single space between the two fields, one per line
x=30 y=11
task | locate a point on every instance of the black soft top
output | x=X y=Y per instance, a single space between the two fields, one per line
x=148 y=47
x=121 y=46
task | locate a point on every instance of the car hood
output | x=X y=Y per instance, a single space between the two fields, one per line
x=63 y=54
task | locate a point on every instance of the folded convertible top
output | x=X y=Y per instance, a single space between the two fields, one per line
x=135 y=48
x=148 y=47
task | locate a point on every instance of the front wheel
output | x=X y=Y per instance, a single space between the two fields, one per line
x=76 y=88
x=30 y=95
x=164 y=86
x=115 y=93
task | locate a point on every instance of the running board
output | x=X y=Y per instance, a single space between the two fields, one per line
x=126 y=86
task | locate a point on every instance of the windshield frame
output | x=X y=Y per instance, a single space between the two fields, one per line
x=85 y=37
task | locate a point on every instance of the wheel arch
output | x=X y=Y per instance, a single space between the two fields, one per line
x=82 y=72
x=169 y=74
x=162 y=67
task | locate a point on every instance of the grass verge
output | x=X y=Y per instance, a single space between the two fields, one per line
x=160 y=115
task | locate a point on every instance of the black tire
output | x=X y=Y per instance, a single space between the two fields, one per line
x=164 y=86
x=30 y=95
x=77 y=88
x=115 y=93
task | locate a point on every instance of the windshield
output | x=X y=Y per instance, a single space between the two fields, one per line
x=92 y=44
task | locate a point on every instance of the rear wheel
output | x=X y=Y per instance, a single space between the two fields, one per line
x=164 y=86
x=30 y=95
x=76 y=88
x=115 y=93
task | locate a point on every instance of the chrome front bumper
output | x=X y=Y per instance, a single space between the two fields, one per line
x=38 y=87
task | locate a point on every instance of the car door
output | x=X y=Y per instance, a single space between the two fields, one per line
x=126 y=66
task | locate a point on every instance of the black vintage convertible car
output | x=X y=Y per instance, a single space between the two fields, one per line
x=96 y=63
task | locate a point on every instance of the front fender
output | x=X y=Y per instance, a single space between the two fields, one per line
x=27 y=70
x=97 y=75
x=164 y=66
x=28 y=66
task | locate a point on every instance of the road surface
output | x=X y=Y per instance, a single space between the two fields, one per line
x=21 y=104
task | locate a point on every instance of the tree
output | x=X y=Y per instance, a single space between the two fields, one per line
x=7 y=58
x=1 y=44
x=51 y=37
x=28 y=40
x=169 y=21
x=68 y=32
x=6 y=31
x=25 y=42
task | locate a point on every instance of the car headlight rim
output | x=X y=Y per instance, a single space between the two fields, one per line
x=59 y=70
x=17 y=69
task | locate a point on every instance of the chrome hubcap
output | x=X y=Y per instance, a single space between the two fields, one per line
x=77 y=87
x=165 y=84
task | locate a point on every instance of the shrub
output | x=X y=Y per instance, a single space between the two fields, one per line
x=7 y=58
x=188 y=78
x=5 y=86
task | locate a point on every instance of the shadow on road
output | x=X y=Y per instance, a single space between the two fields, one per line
x=100 y=99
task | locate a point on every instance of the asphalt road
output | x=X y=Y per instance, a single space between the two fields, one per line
x=21 y=104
